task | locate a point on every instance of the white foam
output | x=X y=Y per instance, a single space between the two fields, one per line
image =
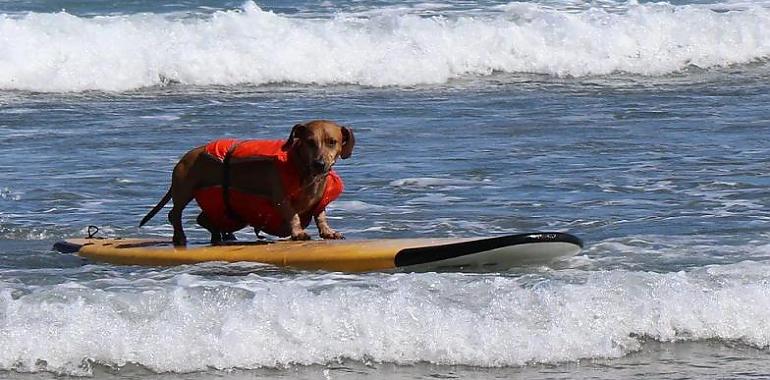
x=6 y=193
x=434 y=198
x=167 y=117
x=356 y=206
x=188 y=323
x=421 y=183
x=63 y=52
x=11 y=231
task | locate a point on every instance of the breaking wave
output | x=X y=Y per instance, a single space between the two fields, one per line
x=186 y=322
x=64 y=52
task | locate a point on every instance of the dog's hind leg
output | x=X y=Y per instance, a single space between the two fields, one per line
x=216 y=235
x=188 y=175
x=181 y=198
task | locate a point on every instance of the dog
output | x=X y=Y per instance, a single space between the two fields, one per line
x=276 y=186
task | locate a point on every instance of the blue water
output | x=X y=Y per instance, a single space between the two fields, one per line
x=640 y=127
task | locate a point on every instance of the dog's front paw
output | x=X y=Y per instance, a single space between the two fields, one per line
x=302 y=235
x=331 y=235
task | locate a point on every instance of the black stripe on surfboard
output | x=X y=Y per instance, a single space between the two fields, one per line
x=422 y=255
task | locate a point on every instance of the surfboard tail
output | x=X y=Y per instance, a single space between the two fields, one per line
x=155 y=209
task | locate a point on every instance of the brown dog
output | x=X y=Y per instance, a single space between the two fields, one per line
x=277 y=192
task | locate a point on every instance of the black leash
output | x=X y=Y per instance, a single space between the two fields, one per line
x=92 y=231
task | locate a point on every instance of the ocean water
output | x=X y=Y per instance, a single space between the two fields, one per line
x=641 y=127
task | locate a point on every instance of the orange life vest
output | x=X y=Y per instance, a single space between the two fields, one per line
x=256 y=210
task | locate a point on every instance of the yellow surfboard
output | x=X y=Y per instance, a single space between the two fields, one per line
x=474 y=254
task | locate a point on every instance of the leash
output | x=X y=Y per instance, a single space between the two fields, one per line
x=92 y=231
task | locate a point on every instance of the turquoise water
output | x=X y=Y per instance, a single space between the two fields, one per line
x=640 y=128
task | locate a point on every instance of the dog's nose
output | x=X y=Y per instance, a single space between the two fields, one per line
x=319 y=165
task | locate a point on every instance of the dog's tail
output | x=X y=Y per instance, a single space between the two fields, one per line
x=157 y=208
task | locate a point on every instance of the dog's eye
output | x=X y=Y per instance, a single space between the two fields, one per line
x=331 y=142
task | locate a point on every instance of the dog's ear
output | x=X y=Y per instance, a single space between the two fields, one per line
x=297 y=132
x=348 y=142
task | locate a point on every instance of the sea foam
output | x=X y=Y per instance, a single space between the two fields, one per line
x=64 y=52
x=188 y=322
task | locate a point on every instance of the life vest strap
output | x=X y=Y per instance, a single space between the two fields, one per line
x=229 y=211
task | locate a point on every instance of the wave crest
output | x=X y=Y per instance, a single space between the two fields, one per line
x=63 y=52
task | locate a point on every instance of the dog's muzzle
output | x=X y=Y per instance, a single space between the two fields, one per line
x=319 y=166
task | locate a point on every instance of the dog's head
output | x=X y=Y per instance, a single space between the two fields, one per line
x=318 y=143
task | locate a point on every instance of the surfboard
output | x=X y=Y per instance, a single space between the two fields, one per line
x=431 y=254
